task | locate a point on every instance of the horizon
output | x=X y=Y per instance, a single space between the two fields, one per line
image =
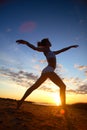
x=45 y=104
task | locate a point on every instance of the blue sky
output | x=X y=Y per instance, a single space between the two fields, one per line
x=63 y=22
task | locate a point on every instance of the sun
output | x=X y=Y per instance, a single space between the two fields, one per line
x=57 y=99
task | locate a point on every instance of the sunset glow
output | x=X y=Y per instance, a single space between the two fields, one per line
x=57 y=99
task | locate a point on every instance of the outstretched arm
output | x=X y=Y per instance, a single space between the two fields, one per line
x=30 y=45
x=26 y=43
x=65 y=49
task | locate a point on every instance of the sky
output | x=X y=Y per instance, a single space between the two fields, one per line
x=65 y=24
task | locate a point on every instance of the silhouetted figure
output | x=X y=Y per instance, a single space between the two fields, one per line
x=48 y=72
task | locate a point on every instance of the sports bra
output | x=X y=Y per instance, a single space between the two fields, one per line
x=49 y=55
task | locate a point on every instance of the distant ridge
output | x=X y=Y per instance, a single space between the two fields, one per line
x=75 y=105
x=80 y=105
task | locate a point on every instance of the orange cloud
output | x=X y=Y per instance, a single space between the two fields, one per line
x=80 y=67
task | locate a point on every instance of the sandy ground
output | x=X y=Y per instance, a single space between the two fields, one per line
x=38 y=117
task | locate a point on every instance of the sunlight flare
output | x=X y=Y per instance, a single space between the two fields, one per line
x=57 y=99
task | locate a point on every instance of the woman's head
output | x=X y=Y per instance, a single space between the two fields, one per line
x=44 y=43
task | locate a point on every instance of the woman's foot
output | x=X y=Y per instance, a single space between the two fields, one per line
x=19 y=103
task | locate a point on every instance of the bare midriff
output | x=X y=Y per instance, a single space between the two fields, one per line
x=52 y=62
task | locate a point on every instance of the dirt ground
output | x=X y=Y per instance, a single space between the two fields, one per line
x=38 y=117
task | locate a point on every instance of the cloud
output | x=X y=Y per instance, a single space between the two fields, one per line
x=37 y=67
x=76 y=85
x=27 y=27
x=73 y=80
x=82 y=89
x=60 y=69
x=85 y=72
x=21 y=77
x=26 y=79
x=45 y=88
x=81 y=68
x=71 y=91
x=42 y=61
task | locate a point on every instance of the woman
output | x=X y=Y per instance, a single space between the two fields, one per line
x=48 y=72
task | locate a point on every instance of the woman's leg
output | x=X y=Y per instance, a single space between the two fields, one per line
x=57 y=80
x=42 y=78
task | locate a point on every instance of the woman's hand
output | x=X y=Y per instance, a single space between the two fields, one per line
x=75 y=46
x=21 y=42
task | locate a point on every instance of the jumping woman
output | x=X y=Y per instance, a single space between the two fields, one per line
x=48 y=72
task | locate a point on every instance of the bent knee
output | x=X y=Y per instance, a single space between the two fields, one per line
x=63 y=87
